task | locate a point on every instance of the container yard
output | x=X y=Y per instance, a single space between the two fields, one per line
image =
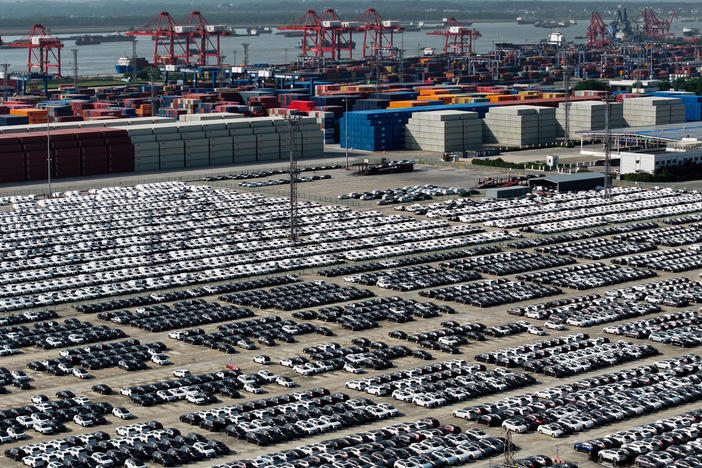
x=362 y=258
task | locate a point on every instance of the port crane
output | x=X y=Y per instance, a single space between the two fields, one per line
x=205 y=39
x=325 y=34
x=654 y=27
x=170 y=40
x=597 y=34
x=459 y=38
x=44 y=51
x=378 y=34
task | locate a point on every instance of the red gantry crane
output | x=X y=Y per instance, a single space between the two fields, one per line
x=325 y=34
x=655 y=28
x=44 y=51
x=597 y=31
x=459 y=38
x=204 y=38
x=171 y=41
x=378 y=34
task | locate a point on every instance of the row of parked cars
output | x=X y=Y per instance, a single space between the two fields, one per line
x=366 y=314
x=172 y=296
x=580 y=235
x=670 y=236
x=672 y=260
x=568 y=355
x=682 y=329
x=412 y=277
x=128 y=354
x=442 y=383
x=117 y=263
x=51 y=335
x=284 y=181
x=290 y=416
x=267 y=173
x=424 y=443
x=407 y=194
x=587 y=276
x=565 y=409
x=28 y=317
x=407 y=261
x=673 y=292
x=453 y=237
x=139 y=443
x=188 y=313
x=507 y=263
x=674 y=442
x=297 y=296
x=491 y=293
x=598 y=248
x=584 y=311
x=265 y=330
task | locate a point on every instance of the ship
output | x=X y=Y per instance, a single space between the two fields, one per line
x=522 y=20
x=124 y=64
x=690 y=32
x=342 y=45
x=94 y=40
x=413 y=27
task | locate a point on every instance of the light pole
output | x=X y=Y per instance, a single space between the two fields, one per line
x=346 y=131
x=49 y=114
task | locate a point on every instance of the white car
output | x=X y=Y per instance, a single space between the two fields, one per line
x=122 y=413
x=285 y=382
x=181 y=373
x=514 y=426
x=550 y=430
x=81 y=373
x=536 y=331
x=134 y=463
x=554 y=326
x=205 y=449
x=253 y=388
x=160 y=359
x=39 y=399
x=348 y=367
x=83 y=420
x=262 y=359
x=43 y=427
x=267 y=375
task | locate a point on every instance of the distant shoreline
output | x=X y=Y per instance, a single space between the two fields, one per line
x=112 y=29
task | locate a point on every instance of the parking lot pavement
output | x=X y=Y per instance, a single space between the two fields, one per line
x=199 y=359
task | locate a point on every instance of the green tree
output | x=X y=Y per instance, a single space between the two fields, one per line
x=595 y=85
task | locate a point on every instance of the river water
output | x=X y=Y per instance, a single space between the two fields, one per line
x=276 y=49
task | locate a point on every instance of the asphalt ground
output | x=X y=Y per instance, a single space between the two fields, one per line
x=199 y=359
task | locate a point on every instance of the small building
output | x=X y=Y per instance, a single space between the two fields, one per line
x=570 y=182
x=652 y=161
x=507 y=192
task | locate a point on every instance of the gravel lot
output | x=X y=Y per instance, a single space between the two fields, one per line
x=199 y=359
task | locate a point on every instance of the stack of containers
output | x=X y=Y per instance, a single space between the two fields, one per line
x=588 y=115
x=653 y=110
x=267 y=137
x=34 y=147
x=120 y=151
x=12 y=159
x=312 y=140
x=65 y=154
x=34 y=116
x=94 y=155
x=171 y=147
x=146 y=148
x=219 y=141
x=692 y=103
x=196 y=146
x=512 y=126
x=547 y=125
x=244 y=140
x=443 y=131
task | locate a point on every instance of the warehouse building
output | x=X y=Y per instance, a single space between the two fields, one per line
x=570 y=182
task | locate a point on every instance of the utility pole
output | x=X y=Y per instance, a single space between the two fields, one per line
x=134 y=60
x=245 y=45
x=75 y=67
x=294 y=121
x=49 y=115
x=566 y=101
x=509 y=449
x=5 y=67
x=607 y=142
x=346 y=131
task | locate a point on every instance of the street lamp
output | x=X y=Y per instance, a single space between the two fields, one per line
x=346 y=130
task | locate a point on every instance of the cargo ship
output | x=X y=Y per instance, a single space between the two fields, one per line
x=343 y=45
x=690 y=32
x=124 y=64
x=94 y=40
